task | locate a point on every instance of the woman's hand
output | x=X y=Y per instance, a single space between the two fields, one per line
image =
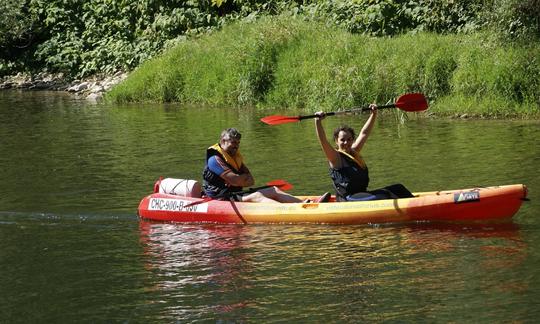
x=373 y=108
x=320 y=115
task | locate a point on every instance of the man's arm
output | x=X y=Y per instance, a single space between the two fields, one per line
x=218 y=166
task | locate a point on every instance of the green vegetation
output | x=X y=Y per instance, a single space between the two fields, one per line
x=289 y=62
x=467 y=55
x=84 y=37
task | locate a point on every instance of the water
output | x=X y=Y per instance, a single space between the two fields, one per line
x=73 y=250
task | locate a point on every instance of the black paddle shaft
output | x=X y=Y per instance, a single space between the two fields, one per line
x=347 y=111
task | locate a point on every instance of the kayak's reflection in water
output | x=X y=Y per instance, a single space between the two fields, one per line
x=192 y=264
x=491 y=253
x=506 y=229
x=237 y=272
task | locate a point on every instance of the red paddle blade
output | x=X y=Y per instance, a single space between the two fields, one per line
x=281 y=184
x=277 y=119
x=412 y=102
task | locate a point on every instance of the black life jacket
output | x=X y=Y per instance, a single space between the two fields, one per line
x=213 y=185
x=351 y=178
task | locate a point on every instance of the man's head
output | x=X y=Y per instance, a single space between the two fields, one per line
x=230 y=140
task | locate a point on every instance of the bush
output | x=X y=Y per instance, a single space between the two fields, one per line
x=82 y=38
x=16 y=36
x=514 y=20
x=392 y=17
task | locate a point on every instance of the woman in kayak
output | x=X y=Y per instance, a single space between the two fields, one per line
x=348 y=170
x=225 y=174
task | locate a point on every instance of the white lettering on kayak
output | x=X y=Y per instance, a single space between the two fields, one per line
x=176 y=205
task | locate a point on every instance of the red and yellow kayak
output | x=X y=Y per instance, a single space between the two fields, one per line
x=463 y=205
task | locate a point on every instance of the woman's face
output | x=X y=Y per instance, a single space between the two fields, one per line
x=344 y=141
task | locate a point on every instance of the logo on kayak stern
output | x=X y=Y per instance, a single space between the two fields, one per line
x=468 y=196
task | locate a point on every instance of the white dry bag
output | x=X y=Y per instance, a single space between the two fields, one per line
x=180 y=187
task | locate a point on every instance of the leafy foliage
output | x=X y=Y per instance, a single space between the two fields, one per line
x=85 y=37
x=16 y=35
x=391 y=17
x=103 y=35
x=514 y=19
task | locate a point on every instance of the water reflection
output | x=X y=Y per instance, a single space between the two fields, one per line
x=506 y=229
x=194 y=264
x=239 y=272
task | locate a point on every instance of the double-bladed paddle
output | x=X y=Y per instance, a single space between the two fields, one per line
x=280 y=183
x=410 y=102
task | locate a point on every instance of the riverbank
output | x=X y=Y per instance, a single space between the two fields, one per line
x=292 y=63
x=295 y=64
x=92 y=88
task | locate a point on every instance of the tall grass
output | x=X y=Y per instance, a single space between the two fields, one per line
x=288 y=62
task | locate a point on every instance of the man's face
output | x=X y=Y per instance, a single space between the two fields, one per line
x=230 y=145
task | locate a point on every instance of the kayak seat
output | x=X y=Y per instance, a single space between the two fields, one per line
x=361 y=196
x=389 y=192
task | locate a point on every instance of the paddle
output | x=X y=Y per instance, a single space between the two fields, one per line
x=281 y=184
x=408 y=102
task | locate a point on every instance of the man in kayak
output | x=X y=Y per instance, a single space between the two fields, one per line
x=225 y=174
x=348 y=170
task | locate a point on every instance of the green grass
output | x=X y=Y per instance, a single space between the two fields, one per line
x=288 y=62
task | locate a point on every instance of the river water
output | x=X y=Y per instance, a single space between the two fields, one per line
x=73 y=250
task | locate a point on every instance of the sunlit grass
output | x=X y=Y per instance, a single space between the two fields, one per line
x=288 y=62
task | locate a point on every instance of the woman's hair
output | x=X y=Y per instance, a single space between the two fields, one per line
x=344 y=128
x=231 y=133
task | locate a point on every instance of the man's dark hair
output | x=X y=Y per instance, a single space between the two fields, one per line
x=231 y=133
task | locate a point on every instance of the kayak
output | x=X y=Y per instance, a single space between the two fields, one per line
x=463 y=205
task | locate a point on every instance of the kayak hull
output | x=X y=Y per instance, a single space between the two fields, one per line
x=463 y=205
